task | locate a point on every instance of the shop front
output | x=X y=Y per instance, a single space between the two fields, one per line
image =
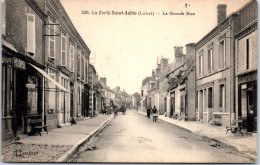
x=21 y=96
x=247 y=100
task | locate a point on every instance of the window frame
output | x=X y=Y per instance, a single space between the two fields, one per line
x=247 y=51
x=223 y=96
x=201 y=63
x=210 y=57
x=224 y=54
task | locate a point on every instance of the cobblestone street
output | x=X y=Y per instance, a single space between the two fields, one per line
x=33 y=152
x=49 y=147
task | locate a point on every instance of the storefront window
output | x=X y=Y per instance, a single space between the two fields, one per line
x=32 y=95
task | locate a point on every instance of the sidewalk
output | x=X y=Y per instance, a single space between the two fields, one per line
x=57 y=145
x=246 y=144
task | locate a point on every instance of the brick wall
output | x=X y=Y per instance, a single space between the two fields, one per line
x=241 y=53
x=16 y=28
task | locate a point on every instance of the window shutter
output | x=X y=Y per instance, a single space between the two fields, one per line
x=31 y=33
x=63 y=58
x=63 y=50
x=72 y=58
x=51 y=48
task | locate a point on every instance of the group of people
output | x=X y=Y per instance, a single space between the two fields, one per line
x=152 y=111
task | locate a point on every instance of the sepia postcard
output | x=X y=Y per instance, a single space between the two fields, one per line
x=129 y=81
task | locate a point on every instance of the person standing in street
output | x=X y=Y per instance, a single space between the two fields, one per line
x=149 y=112
x=155 y=115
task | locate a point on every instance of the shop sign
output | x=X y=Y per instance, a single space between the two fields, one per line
x=30 y=85
x=19 y=64
x=247 y=78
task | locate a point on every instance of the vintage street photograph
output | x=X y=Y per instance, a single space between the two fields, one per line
x=129 y=81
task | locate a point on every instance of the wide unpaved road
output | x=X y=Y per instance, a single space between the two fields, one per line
x=134 y=138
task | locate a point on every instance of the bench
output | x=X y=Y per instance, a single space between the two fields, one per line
x=37 y=126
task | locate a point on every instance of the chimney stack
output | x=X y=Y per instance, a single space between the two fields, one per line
x=190 y=52
x=179 y=56
x=178 y=50
x=103 y=80
x=164 y=63
x=153 y=74
x=222 y=12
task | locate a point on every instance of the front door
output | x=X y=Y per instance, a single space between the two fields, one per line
x=71 y=102
x=172 y=104
x=20 y=98
x=251 y=107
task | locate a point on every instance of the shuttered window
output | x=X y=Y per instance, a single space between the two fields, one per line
x=82 y=67
x=52 y=41
x=72 y=58
x=222 y=54
x=63 y=50
x=210 y=60
x=78 y=63
x=31 y=33
x=3 y=17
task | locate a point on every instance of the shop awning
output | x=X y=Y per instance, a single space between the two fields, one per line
x=49 y=78
x=8 y=45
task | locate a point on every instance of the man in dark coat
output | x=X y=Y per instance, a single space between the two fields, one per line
x=155 y=115
x=149 y=111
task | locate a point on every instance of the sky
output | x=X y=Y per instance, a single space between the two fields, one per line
x=125 y=48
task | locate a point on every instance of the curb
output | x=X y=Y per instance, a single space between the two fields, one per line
x=251 y=156
x=67 y=154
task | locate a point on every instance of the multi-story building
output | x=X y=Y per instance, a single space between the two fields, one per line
x=162 y=86
x=215 y=61
x=175 y=95
x=144 y=92
x=66 y=61
x=93 y=80
x=22 y=56
x=187 y=82
x=42 y=51
x=246 y=66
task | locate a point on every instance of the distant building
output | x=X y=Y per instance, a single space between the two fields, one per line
x=176 y=91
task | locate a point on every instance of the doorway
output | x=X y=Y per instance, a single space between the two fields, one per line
x=251 y=107
x=20 y=98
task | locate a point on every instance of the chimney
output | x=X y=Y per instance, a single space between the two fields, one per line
x=179 y=56
x=164 y=63
x=103 y=80
x=222 y=12
x=157 y=70
x=153 y=74
x=178 y=50
x=118 y=89
x=190 y=52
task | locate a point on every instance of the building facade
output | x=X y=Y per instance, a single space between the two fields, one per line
x=246 y=66
x=175 y=90
x=22 y=52
x=215 y=71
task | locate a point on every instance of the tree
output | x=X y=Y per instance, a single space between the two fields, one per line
x=138 y=98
